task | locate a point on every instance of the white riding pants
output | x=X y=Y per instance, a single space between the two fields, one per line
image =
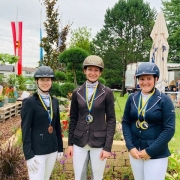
x=45 y=167
x=152 y=169
x=81 y=157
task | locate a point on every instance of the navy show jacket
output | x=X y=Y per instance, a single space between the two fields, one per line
x=160 y=115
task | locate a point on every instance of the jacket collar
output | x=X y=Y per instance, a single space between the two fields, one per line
x=156 y=97
x=100 y=91
x=35 y=95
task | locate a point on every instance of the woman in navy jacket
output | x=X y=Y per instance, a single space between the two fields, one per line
x=148 y=125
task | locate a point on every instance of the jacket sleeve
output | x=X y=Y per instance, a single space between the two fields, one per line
x=73 y=118
x=58 y=129
x=168 y=128
x=27 y=116
x=126 y=124
x=110 y=121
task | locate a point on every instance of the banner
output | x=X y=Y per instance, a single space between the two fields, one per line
x=17 y=41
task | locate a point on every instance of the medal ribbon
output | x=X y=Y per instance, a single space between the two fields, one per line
x=143 y=104
x=50 y=113
x=90 y=103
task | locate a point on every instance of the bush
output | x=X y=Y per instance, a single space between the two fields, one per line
x=67 y=88
x=10 y=156
x=102 y=80
x=55 y=90
x=60 y=76
x=21 y=83
x=173 y=171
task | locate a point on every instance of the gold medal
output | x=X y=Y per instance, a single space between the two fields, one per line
x=138 y=123
x=144 y=125
x=89 y=118
x=50 y=129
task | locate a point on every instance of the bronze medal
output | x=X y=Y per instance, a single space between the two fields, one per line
x=50 y=129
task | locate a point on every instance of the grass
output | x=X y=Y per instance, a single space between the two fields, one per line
x=119 y=109
x=119 y=105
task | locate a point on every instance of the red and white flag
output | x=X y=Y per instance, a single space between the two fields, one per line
x=17 y=41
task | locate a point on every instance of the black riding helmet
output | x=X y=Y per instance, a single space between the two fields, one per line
x=147 y=68
x=44 y=72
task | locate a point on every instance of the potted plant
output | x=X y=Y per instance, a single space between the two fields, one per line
x=9 y=92
x=11 y=95
x=1 y=100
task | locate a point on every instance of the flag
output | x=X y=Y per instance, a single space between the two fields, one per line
x=17 y=42
x=41 y=49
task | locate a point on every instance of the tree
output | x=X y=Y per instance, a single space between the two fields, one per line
x=125 y=38
x=81 y=38
x=7 y=58
x=60 y=76
x=73 y=58
x=50 y=43
x=172 y=15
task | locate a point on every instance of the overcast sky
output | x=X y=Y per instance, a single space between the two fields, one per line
x=83 y=13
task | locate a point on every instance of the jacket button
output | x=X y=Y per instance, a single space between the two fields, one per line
x=87 y=131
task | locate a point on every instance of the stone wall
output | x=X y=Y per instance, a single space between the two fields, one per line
x=119 y=160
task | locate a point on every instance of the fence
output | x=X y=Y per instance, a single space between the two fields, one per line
x=10 y=110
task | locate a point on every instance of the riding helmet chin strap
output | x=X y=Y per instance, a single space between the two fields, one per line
x=153 y=87
x=92 y=81
x=43 y=91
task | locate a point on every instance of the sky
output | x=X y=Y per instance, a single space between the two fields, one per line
x=82 y=13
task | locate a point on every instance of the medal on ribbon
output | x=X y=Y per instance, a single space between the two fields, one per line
x=142 y=112
x=49 y=113
x=89 y=117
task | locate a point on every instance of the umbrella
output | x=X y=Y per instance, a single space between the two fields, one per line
x=160 y=49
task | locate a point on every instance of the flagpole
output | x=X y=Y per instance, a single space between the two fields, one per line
x=41 y=49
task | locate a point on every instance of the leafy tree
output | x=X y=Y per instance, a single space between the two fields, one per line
x=171 y=10
x=7 y=58
x=73 y=58
x=50 y=43
x=125 y=38
x=102 y=80
x=55 y=90
x=67 y=88
x=81 y=38
x=21 y=82
x=60 y=76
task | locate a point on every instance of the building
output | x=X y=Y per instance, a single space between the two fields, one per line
x=10 y=69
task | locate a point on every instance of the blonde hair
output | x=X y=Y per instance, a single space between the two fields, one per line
x=172 y=83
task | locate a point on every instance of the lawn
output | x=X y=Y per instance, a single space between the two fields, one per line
x=119 y=108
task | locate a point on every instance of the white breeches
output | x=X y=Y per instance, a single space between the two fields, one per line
x=45 y=167
x=81 y=157
x=152 y=169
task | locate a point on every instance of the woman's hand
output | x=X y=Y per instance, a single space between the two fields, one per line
x=134 y=153
x=143 y=155
x=104 y=155
x=70 y=151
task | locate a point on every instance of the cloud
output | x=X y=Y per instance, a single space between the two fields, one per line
x=89 y=13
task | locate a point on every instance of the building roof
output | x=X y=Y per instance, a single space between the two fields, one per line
x=8 y=68
x=11 y=68
x=28 y=69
